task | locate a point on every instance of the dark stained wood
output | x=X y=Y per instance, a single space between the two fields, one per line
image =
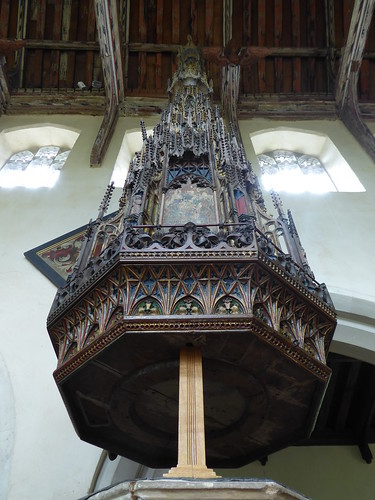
x=159 y=39
x=248 y=83
x=296 y=38
x=194 y=20
x=275 y=51
x=261 y=42
x=303 y=106
x=34 y=63
x=175 y=22
x=4 y=18
x=364 y=80
x=143 y=38
x=278 y=26
x=209 y=22
x=185 y=20
x=91 y=32
x=56 y=16
x=345 y=405
x=311 y=41
x=306 y=40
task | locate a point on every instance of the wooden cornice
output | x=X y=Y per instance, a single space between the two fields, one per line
x=38 y=101
x=347 y=81
x=288 y=106
x=280 y=106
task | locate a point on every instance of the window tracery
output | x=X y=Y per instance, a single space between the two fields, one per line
x=33 y=170
x=284 y=170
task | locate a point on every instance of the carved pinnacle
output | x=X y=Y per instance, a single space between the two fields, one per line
x=106 y=199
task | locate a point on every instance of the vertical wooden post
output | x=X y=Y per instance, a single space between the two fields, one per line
x=191 y=439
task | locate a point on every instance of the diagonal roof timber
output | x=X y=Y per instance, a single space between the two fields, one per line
x=4 y=89
x=110 y=52
x=347 y=80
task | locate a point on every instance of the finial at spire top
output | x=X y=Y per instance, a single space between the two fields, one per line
x=190 y=69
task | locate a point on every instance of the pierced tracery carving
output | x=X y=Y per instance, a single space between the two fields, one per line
x=236 y=282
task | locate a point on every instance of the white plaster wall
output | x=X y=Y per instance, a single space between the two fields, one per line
x=41 y=455
x=46 y=459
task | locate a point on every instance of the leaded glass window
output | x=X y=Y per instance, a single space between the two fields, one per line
x=33 y=170
x=289 y=171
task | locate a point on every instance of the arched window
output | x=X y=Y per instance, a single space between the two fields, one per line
x=284 y=170
x=297 y=160
x=34 y=169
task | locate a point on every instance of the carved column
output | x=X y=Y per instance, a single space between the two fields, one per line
x=191 y=438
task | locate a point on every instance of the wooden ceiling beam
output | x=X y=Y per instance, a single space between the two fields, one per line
x=36 y=101
x=347 y=82
x=173 y=48
x=330 y=40
x=61 y=44
x=230 y=75
x=288 y=106
x=282 y=106
x=110 y=52
x=125 y=20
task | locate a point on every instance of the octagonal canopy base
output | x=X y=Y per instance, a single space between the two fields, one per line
x=261 y=393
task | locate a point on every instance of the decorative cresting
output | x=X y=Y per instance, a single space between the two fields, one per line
x=192 y=258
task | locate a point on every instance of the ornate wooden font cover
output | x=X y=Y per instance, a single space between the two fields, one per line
x=192 y=258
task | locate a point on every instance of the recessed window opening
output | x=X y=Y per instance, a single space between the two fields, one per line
x=34 y=168
x=284 y=170
x=296 y=160
x=131 y=143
